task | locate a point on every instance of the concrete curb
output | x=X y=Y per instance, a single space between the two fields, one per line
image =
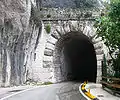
x=85 y=93
x=84 y=97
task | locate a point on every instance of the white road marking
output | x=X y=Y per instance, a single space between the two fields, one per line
x=4 y=98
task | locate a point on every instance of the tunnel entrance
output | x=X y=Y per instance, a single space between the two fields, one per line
x=80 y=62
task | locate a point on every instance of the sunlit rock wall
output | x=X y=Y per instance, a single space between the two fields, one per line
x=18 y=40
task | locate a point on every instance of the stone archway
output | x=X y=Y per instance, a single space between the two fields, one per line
x=77 y=58
x=53 y=54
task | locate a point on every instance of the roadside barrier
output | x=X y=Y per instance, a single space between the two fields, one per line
x=87 y=93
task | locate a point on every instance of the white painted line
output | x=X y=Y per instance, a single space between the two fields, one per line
x=83 y=93
x=4 y=98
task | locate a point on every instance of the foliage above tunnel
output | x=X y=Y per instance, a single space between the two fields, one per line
x=108 y=27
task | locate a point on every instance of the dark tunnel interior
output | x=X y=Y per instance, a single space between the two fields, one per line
x=80 y=57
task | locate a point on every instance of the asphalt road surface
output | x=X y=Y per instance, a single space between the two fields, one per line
x=61 y=91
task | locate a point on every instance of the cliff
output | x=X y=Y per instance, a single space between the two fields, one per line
x=18 y=40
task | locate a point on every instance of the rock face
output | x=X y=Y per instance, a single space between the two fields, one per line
x=72 y=3
x=18 y=40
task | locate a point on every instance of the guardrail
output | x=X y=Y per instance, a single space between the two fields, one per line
x=86 y=93
x=111 y=83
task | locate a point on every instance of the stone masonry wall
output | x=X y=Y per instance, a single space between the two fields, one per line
x=51 y=66
x=61 y=29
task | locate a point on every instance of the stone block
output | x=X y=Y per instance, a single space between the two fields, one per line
x=58 y=30
x=98 y=79
x=99 y=72
x=99 y=57
x=47 y=64
x=66 y=27
x=48 y=52
x=50 y=46
x=52 y=40
x=99 y=51
x=98 y=45
x=48 y=58
x=55 y=35
x=96 y=40
x=99 y=64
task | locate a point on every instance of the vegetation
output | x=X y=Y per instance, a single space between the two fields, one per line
x=47 y=83
x=36 y=16
x=48 y=28
x=108 y=27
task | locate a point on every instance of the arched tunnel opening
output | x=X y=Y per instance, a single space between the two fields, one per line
x=80 y=59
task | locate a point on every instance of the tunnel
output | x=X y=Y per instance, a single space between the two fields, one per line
x=79 y=58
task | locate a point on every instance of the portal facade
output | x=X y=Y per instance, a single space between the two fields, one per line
x=73 y=52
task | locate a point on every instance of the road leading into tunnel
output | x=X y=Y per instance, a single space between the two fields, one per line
x=61 y=91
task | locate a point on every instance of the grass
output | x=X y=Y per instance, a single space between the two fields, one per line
x=48 y=28
x=47 y=83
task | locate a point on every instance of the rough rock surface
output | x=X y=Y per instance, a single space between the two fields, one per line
x=18 y=40
x=72 y=3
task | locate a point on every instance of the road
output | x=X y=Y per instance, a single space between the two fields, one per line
x=61 y=91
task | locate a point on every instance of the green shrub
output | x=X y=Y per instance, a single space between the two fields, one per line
x=47 y=83
x=48 y=28
x=108 y=27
